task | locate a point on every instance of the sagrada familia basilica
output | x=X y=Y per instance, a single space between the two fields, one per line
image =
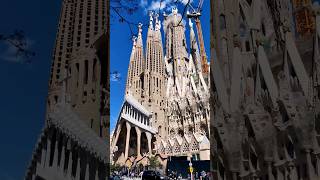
x=265 y=90
x=166 y=107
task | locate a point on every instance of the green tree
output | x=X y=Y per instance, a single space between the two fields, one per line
x=153 y=162
x=115 y=167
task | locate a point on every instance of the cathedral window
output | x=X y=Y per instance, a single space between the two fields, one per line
x=195 y=146
x=177 y=148
x=56 y=99
x=248 y=46
x=86 y=69
x=94 y=73
x=159 y=130
x=185 y=147
x=157 y=83
x=222 y=19
x=169 y=149
x=263 y=27
x=77 y=74
x=91 y=123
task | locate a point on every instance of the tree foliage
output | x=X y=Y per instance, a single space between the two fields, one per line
x=154 y=163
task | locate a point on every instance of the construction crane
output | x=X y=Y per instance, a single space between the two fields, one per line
x=195 y=14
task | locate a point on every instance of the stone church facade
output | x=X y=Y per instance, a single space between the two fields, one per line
x=265 y=90
x=166 y=107
x=73 y=143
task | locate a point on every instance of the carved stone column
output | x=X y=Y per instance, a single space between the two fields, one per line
x=138 y=142
x=149 y=141
x=127 y=140
x=310 y=166
x=48 y=152
x=55 y=154
x=270 y=175
x=70 y=161
x=43 y=155
x=318 y=164
x=78 y=169
x=62 y=158
x=117 y=137
x=87 y=175
x=97 y=175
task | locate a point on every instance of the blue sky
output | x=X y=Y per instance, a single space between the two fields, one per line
x=24 y=86
x=121 y=46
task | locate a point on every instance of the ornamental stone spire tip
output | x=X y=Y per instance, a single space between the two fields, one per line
x=158 y=22
x=139 y=39
x=134 y=40
x=151 y=19
x=174 y=10
x=140 y=28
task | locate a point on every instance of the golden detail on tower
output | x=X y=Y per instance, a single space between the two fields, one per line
x=305 y=22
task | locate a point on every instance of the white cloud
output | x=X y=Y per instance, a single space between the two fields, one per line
x=185 y=1
x=160 y=4
x=155 y=5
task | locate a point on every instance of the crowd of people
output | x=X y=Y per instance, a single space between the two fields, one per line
x=126 y=174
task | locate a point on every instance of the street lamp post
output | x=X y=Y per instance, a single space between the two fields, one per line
x=191 y=169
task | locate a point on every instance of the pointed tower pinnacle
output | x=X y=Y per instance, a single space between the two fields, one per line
x=136 y=65
x=174 y=10
x=158 y=29
x=154 y=81
x=151 y=20
x=129 y=76
x=139 y=40
x=134 y=44
x=158 y=22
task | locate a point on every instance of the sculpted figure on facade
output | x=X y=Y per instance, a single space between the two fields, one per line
x=269 y=105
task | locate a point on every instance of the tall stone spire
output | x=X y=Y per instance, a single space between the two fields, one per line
x=134 y=84
x=139 y=39
x=176 y=46
x=153 y=76
x=129 y=76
